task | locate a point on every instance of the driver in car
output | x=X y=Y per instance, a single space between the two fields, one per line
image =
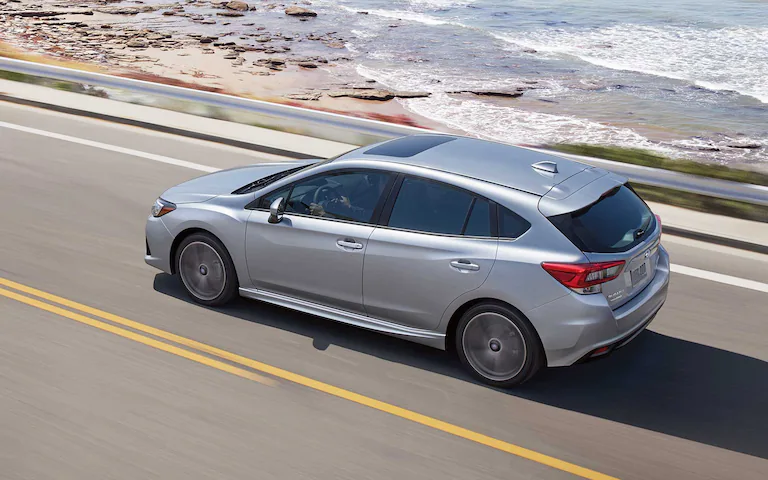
x=365 y=201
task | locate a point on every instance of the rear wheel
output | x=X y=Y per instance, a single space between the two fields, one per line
x=206 y=269
x=497 y=345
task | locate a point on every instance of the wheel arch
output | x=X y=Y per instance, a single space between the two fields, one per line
x=180 y=238
x=450 y=333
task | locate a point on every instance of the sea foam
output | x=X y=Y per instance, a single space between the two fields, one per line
x=732 y=58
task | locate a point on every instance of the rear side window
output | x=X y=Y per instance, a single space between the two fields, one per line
x=511 y=225
x=430 y=207
x=617 y=222
x=479 y=221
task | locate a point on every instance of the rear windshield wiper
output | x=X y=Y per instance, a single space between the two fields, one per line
x=644 y=227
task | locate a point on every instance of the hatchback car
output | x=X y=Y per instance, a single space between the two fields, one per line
x=515 y=258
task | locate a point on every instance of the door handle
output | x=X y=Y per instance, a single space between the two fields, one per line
x=465 y=265
x=349 y=243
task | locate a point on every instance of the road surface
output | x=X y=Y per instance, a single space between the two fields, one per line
x=257 y=391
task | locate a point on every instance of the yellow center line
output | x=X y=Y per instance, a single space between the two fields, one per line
x=195 y=357
x=283 y=374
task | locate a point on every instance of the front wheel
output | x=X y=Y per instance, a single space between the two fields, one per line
x=497 y=345
x=206 y=269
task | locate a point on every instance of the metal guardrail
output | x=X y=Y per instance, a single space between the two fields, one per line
x=656 y=177
x=334 y=126
x=331 y=126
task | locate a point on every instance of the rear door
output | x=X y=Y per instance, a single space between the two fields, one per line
x=438 y=242
x=617 y=226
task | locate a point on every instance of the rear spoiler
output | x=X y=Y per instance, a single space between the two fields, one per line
x=579 y=191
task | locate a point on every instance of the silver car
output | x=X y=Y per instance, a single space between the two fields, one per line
x=514 y=258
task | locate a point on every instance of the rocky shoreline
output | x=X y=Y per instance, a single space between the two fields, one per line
x=105 y=34
x=283 y=65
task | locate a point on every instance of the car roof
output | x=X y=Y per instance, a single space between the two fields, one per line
x=502 y=164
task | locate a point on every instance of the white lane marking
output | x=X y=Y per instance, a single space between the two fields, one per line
x=112 y=148
x=693 y=272
x=720 y=278
x=258 y=156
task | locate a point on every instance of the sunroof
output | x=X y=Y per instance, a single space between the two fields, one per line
x=409 y=146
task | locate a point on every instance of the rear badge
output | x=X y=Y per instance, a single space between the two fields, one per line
x=615 y=296
x=647 y=253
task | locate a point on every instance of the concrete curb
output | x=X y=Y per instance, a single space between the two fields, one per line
x=676 y=231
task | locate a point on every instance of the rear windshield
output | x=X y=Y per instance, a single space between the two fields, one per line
x=615 y=223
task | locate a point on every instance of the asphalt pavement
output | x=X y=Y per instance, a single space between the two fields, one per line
x=83 y=394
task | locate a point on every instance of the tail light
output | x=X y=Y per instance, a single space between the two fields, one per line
x=658 y=222
x=584 y=278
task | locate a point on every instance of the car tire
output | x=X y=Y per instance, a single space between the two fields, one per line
x=498 y=345
x=206 y=270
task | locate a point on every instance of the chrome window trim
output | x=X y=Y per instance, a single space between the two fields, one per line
x=387 y=227
x=327 y=219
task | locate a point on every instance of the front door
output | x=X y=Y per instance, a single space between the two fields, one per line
x=438 y=244
x=316 y=252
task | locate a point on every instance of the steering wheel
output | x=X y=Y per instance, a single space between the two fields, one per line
x=326 y=192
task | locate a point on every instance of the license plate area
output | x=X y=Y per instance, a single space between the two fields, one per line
x=639 y=274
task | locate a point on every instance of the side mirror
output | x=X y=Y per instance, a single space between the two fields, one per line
x=276 y=210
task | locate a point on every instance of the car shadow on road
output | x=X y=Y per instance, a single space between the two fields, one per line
x=657 y=382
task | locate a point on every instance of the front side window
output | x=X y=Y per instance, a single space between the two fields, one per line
x=266 y=201
x=430 y=207
x=351 y=196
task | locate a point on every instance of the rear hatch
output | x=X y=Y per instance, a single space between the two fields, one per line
x=609 y=222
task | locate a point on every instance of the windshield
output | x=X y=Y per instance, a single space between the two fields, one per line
x=263 y=182
x=618 y=221
x=270 y=179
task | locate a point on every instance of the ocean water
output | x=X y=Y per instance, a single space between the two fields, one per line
x=687 y=78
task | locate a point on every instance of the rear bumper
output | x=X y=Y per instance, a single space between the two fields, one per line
x=574 y=326
x=158 y=244
x=605 y=350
